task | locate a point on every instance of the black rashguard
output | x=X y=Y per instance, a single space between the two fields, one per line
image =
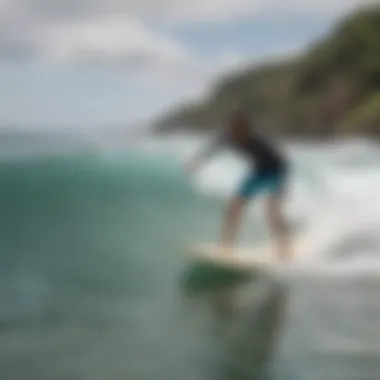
x=257 y=150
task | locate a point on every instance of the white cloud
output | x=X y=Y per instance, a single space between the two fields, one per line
x=111 y=39
x=195 y=10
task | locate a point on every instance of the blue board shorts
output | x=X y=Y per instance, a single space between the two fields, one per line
x=257 y=183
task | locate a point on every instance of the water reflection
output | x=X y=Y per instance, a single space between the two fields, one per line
x=245 y=319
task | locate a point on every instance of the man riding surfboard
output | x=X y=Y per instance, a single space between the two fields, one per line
x=268 y=173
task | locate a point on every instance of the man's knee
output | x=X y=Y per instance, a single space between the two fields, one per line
x=275 y=215
x=280 y=224
x=236 y=205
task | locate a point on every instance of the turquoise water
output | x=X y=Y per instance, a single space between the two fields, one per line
x=95 y=285
x=91 y=268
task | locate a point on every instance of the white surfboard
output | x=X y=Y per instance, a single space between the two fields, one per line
x=239 y=258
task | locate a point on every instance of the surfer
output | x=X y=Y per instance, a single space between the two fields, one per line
x=268 y=172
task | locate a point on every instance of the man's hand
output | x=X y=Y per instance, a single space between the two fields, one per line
x=191 y=166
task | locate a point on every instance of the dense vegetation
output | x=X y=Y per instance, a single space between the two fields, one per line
x=332 y=88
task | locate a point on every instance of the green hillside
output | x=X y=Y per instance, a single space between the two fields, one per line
x=332 y=88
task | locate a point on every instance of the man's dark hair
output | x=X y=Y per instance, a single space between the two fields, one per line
x=239 y=115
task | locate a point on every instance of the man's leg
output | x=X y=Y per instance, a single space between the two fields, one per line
x=278 y=226
x=232 y=221
x=247 y=189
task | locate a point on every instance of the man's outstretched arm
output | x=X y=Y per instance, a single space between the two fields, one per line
x=199 y=159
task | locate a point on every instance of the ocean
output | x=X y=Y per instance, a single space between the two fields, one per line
x=95 y=283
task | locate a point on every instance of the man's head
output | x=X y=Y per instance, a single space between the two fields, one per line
x=239 y=126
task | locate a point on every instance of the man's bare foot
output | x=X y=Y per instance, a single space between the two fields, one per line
x=225 y=248
x=284 y=256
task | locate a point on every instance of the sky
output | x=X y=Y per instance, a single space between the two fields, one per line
x=99 y=63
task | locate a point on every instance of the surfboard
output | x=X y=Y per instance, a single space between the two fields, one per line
x=238 y=258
